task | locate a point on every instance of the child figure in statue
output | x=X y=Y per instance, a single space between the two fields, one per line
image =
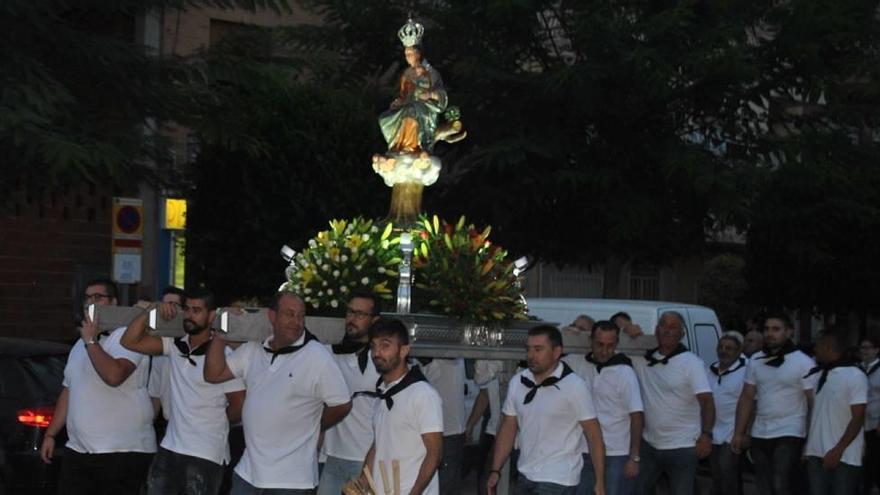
x=409 y=126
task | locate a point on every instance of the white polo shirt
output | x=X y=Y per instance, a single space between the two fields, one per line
x=845 y=386
x=198 y=426
x=782 y=405
x=872 y=412
x=486 y=377
x=550 y=435
x=103 y=419
x=669 y=393
x=282 y=411
x=616 y=395
x=447 y=376
x=725 y=392
x=351 y=438
x=159 y=384
x=417 y=410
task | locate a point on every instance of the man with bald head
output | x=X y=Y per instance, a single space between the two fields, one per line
x=294 y=391
x=679 y=410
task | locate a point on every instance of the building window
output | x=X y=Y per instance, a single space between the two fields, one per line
x=644 y=282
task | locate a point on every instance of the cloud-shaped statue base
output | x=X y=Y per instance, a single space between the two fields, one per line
x=398 y=168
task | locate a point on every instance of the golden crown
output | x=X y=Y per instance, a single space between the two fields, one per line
x=411 y=33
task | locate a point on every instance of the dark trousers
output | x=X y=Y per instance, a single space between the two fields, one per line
x=680 y=465
x=525 y=486
x=776 y=464
x=871 y=462
x=449 y=473
x=724 y=464
x=118 y=473
x=173 y=474
x=842 y=480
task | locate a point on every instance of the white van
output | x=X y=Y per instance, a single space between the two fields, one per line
x=701 y=335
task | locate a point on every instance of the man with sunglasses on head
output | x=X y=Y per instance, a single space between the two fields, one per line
x=195 y=446
x=106 y=408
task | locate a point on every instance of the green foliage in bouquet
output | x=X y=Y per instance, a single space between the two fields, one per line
x=353 y=255
x=459 y=273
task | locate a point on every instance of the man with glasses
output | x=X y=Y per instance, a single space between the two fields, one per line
x=346 y=444
x=106 y=408
x=159 y=384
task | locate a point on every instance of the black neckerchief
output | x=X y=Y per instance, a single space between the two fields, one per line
x=733 y=367
x=826 y=368
x=185 y=351
x=872 y=368
x=548 y=382
x=776 y=359
x=615 y=360
x=291 y=348
x=414 y=375
x=680 y=348
x=359 y=348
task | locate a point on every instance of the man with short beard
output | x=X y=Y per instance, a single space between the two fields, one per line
x=834 y=442
x=195 y=448
x=776 y=374
x=408 y=422
x=346 y=444
x=551 y=407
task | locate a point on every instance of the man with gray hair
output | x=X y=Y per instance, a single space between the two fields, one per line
x=726 y=378
x=679 y=410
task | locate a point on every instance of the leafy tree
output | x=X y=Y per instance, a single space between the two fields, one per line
x=81 y=96
x=279 y=158
x=814 y=221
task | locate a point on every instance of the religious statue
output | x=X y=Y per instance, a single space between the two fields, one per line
x=418 y=118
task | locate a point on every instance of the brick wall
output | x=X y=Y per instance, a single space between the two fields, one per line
x=50 y=244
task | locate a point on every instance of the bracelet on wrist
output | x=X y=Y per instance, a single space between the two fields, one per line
x=495 y=471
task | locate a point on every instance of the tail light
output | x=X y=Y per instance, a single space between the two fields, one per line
x=36 y=416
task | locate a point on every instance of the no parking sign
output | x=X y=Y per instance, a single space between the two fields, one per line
x=128 y=239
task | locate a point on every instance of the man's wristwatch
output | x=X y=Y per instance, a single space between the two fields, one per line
x=91 y=341
x=708 y=433
x=635 y=458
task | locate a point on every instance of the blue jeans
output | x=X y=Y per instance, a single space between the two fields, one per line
x=776 y=461
x=680 y=465
x=525 y=486
x=336 y=473
x=615 y=482
x=842 y=480
x=242 y=487
x=172 y=472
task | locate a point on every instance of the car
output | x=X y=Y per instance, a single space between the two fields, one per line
x=702 y=328
x=31 y=372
